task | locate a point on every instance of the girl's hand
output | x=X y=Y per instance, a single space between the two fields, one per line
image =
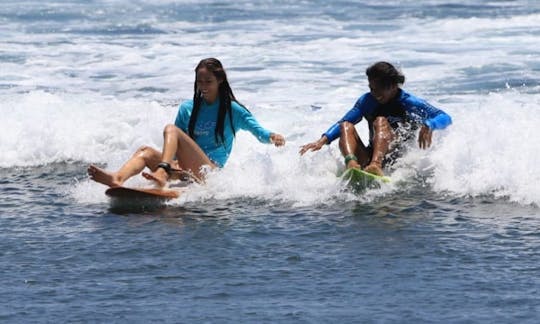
x=315 y=146
x=424 y=137
x=277 y=139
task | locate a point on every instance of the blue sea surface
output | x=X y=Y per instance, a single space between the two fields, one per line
x=411 y=257
x=274 y=237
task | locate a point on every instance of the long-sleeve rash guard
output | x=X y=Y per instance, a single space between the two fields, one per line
x=206 y=124
x=405 y=108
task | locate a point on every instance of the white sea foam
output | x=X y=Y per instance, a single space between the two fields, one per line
x=491 y=148
x=70 y=97
x=41 y=128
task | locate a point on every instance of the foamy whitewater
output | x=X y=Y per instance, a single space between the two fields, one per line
x=273 y=236
x=95 y=90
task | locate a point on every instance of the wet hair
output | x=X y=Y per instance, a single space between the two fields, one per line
x=225 y=95
x=384 y=75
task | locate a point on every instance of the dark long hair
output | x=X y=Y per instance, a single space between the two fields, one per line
x=385 y=75
x=225 y=95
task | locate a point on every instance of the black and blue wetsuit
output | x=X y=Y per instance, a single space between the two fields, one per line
x=405 y=110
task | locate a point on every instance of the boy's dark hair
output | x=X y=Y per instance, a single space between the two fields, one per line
x=384 y=75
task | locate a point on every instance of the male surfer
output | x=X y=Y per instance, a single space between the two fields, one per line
x=392 y=115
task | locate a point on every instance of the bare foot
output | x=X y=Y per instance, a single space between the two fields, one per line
x=159 y=176
x=374 y=169
x=107 y=178
x=353 y=164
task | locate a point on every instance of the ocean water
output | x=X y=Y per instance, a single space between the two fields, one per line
x=273 y=237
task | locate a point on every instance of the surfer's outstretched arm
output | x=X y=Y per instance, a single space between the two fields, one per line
x=314 y=146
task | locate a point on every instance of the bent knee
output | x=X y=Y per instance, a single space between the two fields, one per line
x=174 y=130
x=381 y=122
x=143 y=149
x=146 y=151
x=383 y=128
x=346 y=126
x=170 y=128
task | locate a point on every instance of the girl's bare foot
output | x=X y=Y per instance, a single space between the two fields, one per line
x=159 y=176
x=107 y=178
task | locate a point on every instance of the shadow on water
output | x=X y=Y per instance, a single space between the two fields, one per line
x=212 y=209
x=142 y=206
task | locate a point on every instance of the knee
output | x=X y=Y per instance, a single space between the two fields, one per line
x=381 y=123
x=146 y=152
x=170 y=128
x=173 y=130
x=142 y=151
x=346 y=127
x=383 y=128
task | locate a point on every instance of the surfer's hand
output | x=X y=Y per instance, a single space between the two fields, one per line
x=315 y=146
x=277 y=139
x=424 y=137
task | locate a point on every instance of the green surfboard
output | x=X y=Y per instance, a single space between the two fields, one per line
x=359 y=180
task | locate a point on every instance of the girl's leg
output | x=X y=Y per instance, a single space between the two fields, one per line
x=189 y=155
x=144 y=157
x=351 y=144
x=384 y=135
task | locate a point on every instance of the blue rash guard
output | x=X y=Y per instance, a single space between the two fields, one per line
x=206 y=124
x=405 y=108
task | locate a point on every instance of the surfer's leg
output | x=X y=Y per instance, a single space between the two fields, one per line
x=189 y=155
x=144 y=157
x=384 y=135
x=102 y=176
x=352 y=147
